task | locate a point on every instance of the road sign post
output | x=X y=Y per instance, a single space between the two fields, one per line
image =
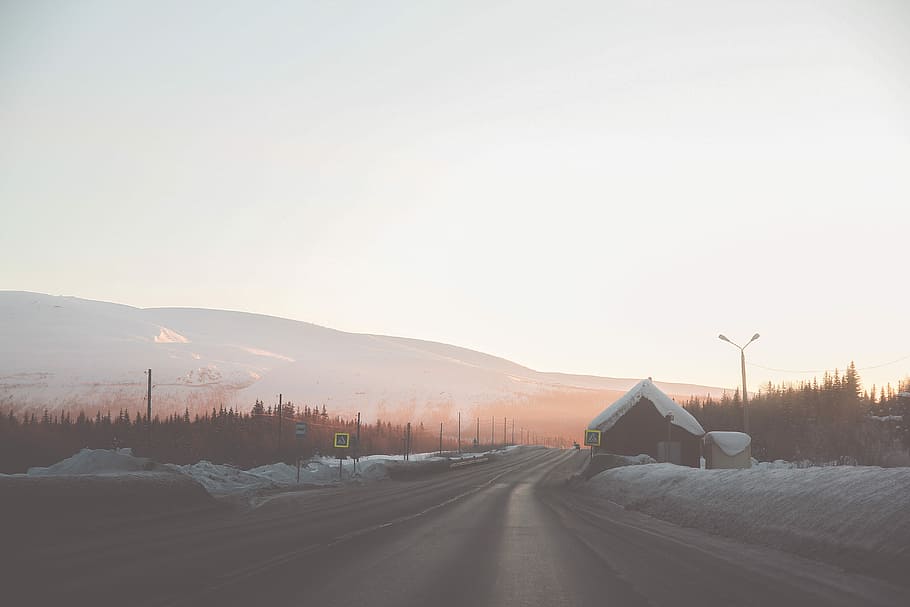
x=301 y=429
x=342 y=441
x=592 y=439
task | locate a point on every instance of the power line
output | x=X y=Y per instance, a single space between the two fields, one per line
x=887 y=364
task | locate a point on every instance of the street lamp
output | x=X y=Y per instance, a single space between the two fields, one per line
x=742 y=360
x=148 y=414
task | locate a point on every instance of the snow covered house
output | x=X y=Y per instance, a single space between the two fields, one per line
x=727 y=450
x=645 y=420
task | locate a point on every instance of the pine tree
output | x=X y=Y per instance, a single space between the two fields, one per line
x=851 y=382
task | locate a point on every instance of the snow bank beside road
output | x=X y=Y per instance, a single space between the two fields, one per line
x=219 y=479
x=858 y=517
x=222 y=480
x=96 y=461
x=608 y=461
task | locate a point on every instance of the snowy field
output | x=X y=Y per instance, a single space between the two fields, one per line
x=855 y=516
x=221 y=480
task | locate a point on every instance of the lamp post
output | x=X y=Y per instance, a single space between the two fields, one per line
x=148 y=414
x=742 y=360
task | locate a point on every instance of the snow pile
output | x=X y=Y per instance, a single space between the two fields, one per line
x=637 y=460
x=219 y=479
x=96 y=461
x=854 y=515
x=778 y=464
x=607 y=461
x=279 y=473
x=664 y=404
x=731 y=443
x=324 y=470
x=222 y=480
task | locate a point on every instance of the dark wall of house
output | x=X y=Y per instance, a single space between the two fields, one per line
x=639 y=431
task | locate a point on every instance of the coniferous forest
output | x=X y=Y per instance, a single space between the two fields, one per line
x=821 y=421
x=221 y=435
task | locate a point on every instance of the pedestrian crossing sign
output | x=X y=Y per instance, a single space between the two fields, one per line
x=342 y=440
x=592 y=438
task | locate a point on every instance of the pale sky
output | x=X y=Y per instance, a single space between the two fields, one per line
x=591 y=187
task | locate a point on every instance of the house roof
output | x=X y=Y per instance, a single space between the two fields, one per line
x=664 y=404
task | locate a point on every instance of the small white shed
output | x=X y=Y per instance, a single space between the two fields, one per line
x=727 y=450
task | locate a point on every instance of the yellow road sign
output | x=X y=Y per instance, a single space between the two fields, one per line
x=343 y=440
x=592 y=438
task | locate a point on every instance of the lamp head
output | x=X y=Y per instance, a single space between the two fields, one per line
x=723 y=337
x=754 y=337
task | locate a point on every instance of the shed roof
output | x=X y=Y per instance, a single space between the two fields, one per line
x=664 y=404
x=731 y=443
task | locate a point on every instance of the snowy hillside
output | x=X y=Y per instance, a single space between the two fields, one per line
x=70 y=352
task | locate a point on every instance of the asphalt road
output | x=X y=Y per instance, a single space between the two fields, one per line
x=508 y=532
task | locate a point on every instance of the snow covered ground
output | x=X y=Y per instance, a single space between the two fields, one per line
x=222 y=480
x=852 y=515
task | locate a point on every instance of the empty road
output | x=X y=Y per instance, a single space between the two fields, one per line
x=512 y=531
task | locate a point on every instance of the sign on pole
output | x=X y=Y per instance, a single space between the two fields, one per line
x=592 y=438
x=300 y=429
x=342 y=440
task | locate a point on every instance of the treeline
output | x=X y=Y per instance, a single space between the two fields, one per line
x=834 y=419
x=226 y=436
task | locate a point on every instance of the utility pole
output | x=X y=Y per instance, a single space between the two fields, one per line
x=459 y=431
x=279 y=426
x=477 y=437
x=505 y=423
x=357 y=445
x=492 y=432
x=148 y=414
x=440 y=438
x=407 y=443
x=513 y=431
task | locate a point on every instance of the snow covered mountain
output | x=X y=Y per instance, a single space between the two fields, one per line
x=65 y=352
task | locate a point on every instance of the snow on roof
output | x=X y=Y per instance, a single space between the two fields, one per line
x=731 y=443
x=664 y=404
